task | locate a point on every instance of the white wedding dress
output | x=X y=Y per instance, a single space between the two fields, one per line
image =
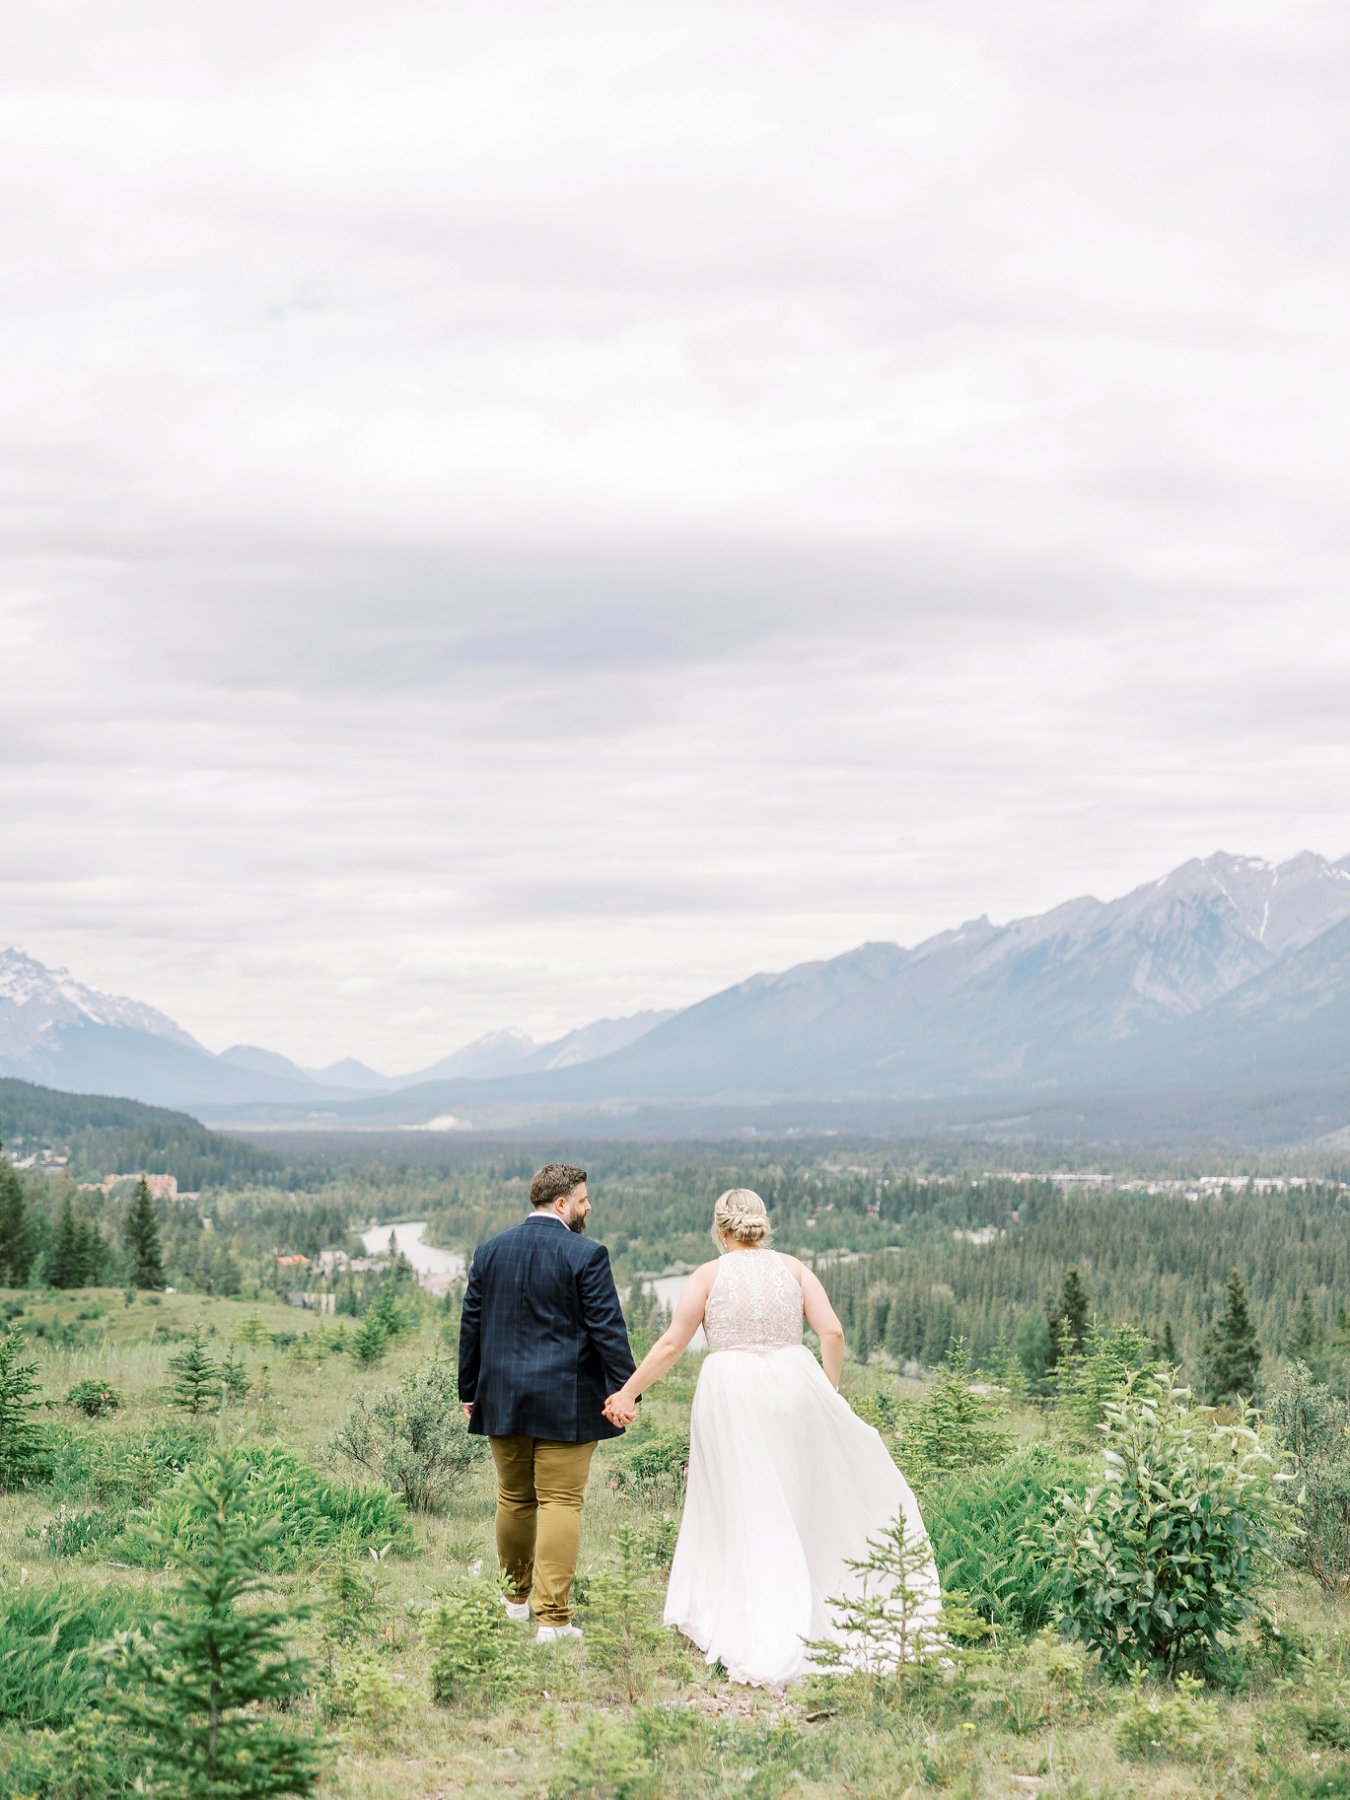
x=786 y=1483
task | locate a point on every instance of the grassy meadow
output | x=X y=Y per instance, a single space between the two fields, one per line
x=1019 y=1713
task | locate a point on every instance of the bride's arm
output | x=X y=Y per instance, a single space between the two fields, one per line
x=824 y=1321
x=671 y=1344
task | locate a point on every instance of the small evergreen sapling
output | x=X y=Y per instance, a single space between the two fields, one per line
x=22 y=1442
x=952 y=1427
x=892 y=1630
x=621 y=1633
x=197 y=1378
x=192 y=1688
x=479 y=1653
x=370 y=1340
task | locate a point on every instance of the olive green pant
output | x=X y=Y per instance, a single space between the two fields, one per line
x=541 y=1489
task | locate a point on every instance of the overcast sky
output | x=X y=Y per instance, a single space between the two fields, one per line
x=516 y=514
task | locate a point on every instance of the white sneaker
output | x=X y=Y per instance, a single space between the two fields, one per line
x=553 y=1634
x=516 y=1609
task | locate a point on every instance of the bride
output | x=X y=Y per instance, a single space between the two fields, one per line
x=786 y=1483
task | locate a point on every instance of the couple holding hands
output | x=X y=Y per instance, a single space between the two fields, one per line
x=785 y=1484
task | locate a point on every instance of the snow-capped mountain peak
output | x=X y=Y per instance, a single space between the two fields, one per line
x=35 y=999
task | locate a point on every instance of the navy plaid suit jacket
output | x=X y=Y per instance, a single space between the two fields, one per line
x=542 y=1342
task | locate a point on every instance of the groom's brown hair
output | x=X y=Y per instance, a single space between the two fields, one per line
x=554 y=1182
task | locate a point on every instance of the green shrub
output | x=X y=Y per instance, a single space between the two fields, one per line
x=95 y=1399
x=479 y=1654
x=950 y=1428
x=47 y=1634
x=124 y=1468
x=651 y=1461
x=1177 y=1543
x=69 y=1533
x=307 y=1514
x=413 y=1436
x=604 y=1761
x=89 y=1759
x=369 y=1693
x=887 y=1636
x=1180 y=1724
x=1313 y=1425
x=992 y=1534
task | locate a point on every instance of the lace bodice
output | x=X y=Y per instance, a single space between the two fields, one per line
x=755 y=1303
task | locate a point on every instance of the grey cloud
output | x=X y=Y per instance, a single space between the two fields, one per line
x=507 y=524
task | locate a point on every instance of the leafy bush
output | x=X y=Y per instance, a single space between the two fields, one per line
x=306 y=1513
x=48 y=1633
x=1181 y=1724
x=992 y=1533
x=479 y=1653
x=652 y=1460
x=1177 y=1544
x=126 y=1468
x=413 y=1436
x=69 y=1533
x=95 y=1399
x=1314 y=1427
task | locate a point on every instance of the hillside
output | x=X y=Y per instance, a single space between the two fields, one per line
x=104 y=1135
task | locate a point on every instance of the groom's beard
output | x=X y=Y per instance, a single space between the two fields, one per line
x=578 y=1225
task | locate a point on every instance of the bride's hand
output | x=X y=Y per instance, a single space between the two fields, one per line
x=619 y=1410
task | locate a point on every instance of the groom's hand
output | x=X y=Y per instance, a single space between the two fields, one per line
x=468 y=1408
x=619 y=1414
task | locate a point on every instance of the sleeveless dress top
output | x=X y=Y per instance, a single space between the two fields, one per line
x=786 y=1485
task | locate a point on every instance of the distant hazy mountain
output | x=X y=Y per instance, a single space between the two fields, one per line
x=496 y=1054
x=55 y=1030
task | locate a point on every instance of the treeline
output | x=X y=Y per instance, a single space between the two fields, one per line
x=1158 y=1261
x=104 y=1136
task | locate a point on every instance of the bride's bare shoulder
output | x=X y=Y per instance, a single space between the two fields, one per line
x=794 y=1263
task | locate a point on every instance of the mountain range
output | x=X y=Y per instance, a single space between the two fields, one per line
x=56 y=1031
x=1229 y=973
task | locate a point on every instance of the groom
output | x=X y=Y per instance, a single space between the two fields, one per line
x=541 y=1344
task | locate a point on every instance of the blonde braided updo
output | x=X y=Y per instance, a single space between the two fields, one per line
x=741 y=1215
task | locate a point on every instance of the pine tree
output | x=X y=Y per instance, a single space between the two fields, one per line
x=1068 y=1318
x=16 y=1232
x=370 y=1340
x=197 y=1379
x=1168 y=1348
x=1232 y=1353
x=67 y=1261
x=191 y=1689
x=1305 y=1336
x=21 y=1441
x=141 y=1236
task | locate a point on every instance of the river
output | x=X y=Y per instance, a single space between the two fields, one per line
x=436 y=1268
